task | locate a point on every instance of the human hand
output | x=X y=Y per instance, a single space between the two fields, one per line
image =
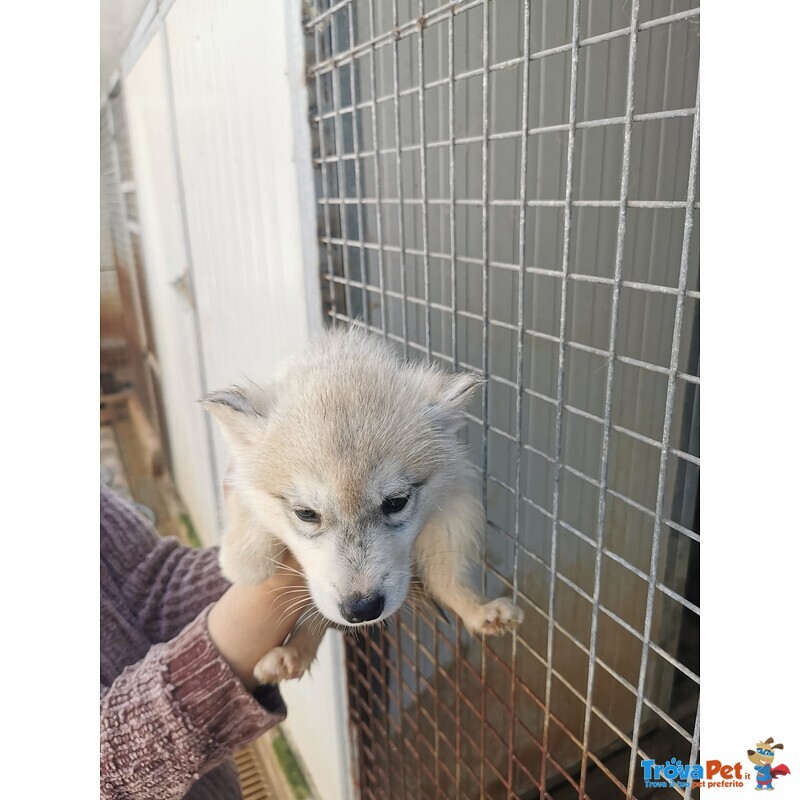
x=249 y=621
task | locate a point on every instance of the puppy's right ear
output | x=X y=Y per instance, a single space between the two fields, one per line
x=241 y=412
x=453 y=392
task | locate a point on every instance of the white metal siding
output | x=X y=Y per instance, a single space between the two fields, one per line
x=165 y=258
x=232 y=111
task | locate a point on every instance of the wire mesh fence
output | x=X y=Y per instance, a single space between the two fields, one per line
x=511 y=187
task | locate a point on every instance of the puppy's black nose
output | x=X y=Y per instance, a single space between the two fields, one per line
x=362 y=609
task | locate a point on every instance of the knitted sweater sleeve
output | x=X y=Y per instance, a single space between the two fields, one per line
x=165 y=584
x=176 y=714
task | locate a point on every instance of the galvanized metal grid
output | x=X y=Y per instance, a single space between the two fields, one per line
x=586 y=432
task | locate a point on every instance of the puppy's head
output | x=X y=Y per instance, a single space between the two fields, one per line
x=344 y=457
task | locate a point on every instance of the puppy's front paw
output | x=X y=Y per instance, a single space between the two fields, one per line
x=280 y=664
x=497 y=617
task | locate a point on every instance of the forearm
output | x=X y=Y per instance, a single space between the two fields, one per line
x=175 y=715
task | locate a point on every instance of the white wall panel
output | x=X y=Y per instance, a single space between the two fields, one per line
x=165 y=260
x=233 y=112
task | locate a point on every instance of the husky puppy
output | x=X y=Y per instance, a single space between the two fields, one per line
x=349 y=458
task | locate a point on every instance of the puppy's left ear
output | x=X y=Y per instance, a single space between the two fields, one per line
x=242 y=412
x=453 y=397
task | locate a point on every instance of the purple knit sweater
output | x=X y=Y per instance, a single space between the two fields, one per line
x=171 y=709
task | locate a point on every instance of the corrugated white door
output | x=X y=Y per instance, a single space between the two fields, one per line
x=165 y=257
x=233 y=116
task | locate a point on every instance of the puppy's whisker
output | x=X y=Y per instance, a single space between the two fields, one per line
x=291 y=596
x=281 y=567
x=291 y=602
x=289 y=613
x=308 y=614
x=288 y=591
x=320 y=622
x=291 y=609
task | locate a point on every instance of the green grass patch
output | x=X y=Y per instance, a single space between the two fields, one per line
x=291 y=767
x=191 y=533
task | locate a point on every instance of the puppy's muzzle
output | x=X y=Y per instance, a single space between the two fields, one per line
x=356 y=609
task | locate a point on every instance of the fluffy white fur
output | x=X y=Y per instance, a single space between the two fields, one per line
x=343 y=426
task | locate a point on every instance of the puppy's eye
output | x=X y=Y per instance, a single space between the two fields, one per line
x=391 y=505
x=306 y=515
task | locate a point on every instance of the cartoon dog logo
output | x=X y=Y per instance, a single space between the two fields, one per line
x=762 y=757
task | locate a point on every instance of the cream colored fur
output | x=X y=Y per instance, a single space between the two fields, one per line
x=343 y=426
